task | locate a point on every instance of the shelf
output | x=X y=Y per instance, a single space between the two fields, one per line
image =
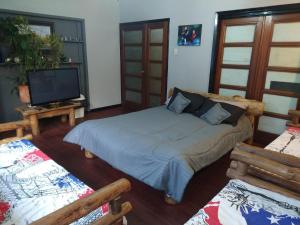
x=70 y=63
x=75 y=42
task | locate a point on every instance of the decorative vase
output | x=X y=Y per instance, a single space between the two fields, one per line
x=24 y=94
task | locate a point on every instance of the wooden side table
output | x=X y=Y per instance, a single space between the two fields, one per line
x=39 y=112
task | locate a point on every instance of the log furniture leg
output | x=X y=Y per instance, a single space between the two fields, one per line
x=34 y=124
x=170 y=200
x=72 y=117
x=64 y=118
x=88 y=154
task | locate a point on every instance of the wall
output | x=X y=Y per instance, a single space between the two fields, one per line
x=102 y=39
x=191 y=67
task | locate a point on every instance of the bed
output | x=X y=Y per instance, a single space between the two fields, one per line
x=36 y=190
x=159 y=147
x=265 y=188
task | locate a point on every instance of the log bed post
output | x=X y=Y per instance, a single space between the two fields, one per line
x=88 y=154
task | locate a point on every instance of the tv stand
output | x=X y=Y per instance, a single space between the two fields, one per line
x=56 y=105
x=40 y=112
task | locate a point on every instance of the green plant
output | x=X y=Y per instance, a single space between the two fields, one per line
x=27 y=49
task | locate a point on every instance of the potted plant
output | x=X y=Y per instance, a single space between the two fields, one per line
x=28 y=50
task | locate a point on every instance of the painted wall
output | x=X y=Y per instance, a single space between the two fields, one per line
x=102 y=37
x=191 y=67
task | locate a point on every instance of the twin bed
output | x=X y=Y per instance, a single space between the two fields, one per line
x=161 y=148
x=35 y=190
x=265 y=188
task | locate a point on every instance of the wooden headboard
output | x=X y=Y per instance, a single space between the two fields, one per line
x=254 y=108
x=266 y=169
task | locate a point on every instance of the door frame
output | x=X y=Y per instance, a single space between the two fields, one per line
x=251 y=12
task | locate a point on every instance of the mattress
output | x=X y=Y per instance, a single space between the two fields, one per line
x=240 y=203
x=32 y=186
x=157 y=146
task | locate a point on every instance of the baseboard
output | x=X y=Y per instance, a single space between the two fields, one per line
x=104 y=108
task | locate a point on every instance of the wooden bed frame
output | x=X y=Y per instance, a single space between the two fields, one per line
x=254 y=109
x=109 y=194
x=268 y=169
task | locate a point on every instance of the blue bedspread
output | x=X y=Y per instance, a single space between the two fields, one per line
x=157 y=146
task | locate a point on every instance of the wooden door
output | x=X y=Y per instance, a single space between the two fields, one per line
x=144 y=60
x=133 y=65
x=259 y=58
x=156 y=63
x=237 y=56
x=279 y=76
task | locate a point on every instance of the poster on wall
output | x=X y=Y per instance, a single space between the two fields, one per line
x=189 y=35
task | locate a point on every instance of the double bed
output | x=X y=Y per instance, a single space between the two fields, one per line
x=161 y=148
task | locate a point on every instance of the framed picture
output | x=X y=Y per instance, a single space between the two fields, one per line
x=41 y=29
x=189 y=35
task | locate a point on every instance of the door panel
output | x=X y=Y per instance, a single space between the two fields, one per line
x=237 y=55
x=133 y=53
x=156 y=53
x=236 y=77
x=243 y=33
x=133 y=67
x=133 y=37
x=133 y=83
x=286 y=32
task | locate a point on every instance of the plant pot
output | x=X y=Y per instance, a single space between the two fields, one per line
x=24 y=94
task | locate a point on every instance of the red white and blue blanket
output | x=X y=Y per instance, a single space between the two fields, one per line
x=32 y=186
x=240 y=203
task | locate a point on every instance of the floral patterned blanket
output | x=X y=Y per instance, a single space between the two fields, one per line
x=32 y=185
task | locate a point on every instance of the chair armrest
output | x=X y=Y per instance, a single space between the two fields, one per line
x=80 y=208
x=267 y=169
x=295 y=117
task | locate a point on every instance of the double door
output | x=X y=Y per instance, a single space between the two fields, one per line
x=259 y=58
x=144 y=59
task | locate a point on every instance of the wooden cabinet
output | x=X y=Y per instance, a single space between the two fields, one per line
x=144 y=59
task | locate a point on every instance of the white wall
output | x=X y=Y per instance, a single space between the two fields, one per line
x=191 y=67
x=102 y=37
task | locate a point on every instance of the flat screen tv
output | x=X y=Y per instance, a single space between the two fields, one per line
x=55 y=85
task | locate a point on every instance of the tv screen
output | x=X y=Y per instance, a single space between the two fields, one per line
x=56 y=85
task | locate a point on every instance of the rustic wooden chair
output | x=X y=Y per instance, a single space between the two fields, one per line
x=19 y=127
x=266 y=169
x=80 y=208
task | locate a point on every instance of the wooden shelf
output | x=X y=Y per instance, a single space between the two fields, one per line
x=69 y=63
x=75 y=42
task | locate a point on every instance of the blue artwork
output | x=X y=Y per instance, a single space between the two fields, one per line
x=189 y=35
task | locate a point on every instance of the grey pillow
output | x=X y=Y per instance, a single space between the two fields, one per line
x=179 y=104
x=216 y=115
